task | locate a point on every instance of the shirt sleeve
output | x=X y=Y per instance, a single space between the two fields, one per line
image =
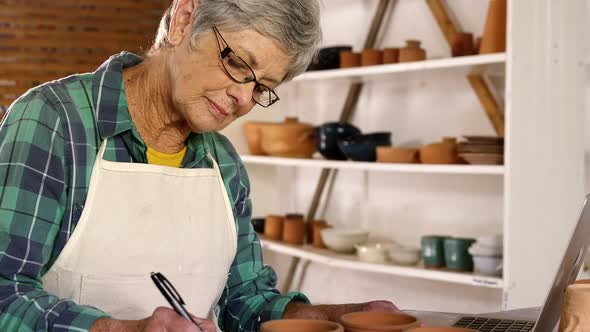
x=250 y=297
x=33 y=193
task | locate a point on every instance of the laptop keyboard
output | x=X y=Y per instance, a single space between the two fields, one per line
x=494 y=325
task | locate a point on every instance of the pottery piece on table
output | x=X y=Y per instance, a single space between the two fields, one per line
x=378 y=321
x=317 y=236
x=391 y=55
x=350 y=59
x=294 y=231
x=371 y=57
x=462 y=44
x=273 y=227
x=412 y=52
x=444 y=152
x=300 y=325
x=494 y=32
x=483 y=158
x=397 y=155
x=253 y=136
x=290 y=139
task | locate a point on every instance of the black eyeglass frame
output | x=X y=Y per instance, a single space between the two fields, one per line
x=225 y=53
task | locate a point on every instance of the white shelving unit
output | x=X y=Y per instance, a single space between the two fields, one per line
x=329 y=258
x=378 y=167
x=490 y=63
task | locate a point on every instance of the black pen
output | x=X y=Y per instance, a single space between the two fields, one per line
x=171 y=295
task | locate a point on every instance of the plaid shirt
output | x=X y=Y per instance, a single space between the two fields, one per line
x=49 y=141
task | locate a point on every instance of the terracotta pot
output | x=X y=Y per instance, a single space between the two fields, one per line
x=317 y=235
x=494 y=32
x=462 y=44
x=294 y=231
x=273 y=227
x=291 y=139
x=412 y=52
x=378 y=321
x=253 y=136
x=387 y=154
x=372 y=57
x=350 y=59
x=444 y=152
x=309 y=225
x=300 y=325
x=391 y=55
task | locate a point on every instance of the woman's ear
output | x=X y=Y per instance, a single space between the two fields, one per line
x=181 y=20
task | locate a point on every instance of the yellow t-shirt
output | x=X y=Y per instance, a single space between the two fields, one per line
x=165 y=159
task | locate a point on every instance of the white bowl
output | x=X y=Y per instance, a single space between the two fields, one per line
x=477 y=249
x=372 y=253
x=404 y=255
x=491 y=266
x=491 y=241
x=343 y=240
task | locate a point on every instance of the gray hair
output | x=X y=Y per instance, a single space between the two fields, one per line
x=294 y=24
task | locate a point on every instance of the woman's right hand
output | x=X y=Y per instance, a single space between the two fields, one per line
x=162 y=320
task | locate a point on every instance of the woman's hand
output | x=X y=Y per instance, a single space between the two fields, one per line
x=162 y=320
x=333 y=312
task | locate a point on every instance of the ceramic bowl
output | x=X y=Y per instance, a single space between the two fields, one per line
x=327 y=136
x=444 y=152
x=254 y=136
x=372 y=253
x=491 y=240
x=440 y=329
x=343 y=240
x=400 y=155
x=258 y=225
x=378 y=321
x=289 y=139
x=328 y=57
x=477 y=249
x=487 y=265
x=363 y=147
x=483 y=158
x=298 y=325
x=404 y=255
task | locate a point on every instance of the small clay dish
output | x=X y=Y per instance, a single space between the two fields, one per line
x=299 y=325
x=387 y=154
x=378 y=321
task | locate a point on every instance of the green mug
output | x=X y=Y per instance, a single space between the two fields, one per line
x=433 y=252
x=457 y=256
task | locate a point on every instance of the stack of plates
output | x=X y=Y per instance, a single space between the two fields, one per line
x=487 y=254
x=482 y=150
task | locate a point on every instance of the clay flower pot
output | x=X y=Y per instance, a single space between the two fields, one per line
x=294 y=231
x=387 y=154
x=462 y=44
x=300 y=325
x=371 y=57
x=350 y=59
x=273 y=227
x=378 y=321
x=390 y=55
x=444 y=152
x=412 y=52
x=494 y=32
x=253 y=136
x=290 y=139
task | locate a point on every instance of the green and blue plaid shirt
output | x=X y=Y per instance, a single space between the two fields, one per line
x=49 y=140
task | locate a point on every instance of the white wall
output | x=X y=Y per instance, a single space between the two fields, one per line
x=418 y=108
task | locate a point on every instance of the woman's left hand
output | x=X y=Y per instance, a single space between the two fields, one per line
x=333 y=312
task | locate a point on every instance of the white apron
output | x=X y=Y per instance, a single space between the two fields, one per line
x=141 y=218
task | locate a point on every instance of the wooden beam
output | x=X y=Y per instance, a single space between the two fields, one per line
x=129 y=4
x=105 y=13
x=82 y=36
x=49 y=56
x=96 y=24
x=446 y=25
x=487 y=100
x=111 y=46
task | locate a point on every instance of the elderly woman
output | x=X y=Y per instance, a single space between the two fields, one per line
x=111 y=175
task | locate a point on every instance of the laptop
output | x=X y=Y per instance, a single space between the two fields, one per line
x=551 y=311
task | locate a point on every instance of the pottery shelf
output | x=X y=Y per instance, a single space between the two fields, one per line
x=489 y=63
x=383 y=167
x=332 y=259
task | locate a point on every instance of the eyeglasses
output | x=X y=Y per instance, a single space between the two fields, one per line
x=239 y=71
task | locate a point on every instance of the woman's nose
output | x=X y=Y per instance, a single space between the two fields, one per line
x=241 y=94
